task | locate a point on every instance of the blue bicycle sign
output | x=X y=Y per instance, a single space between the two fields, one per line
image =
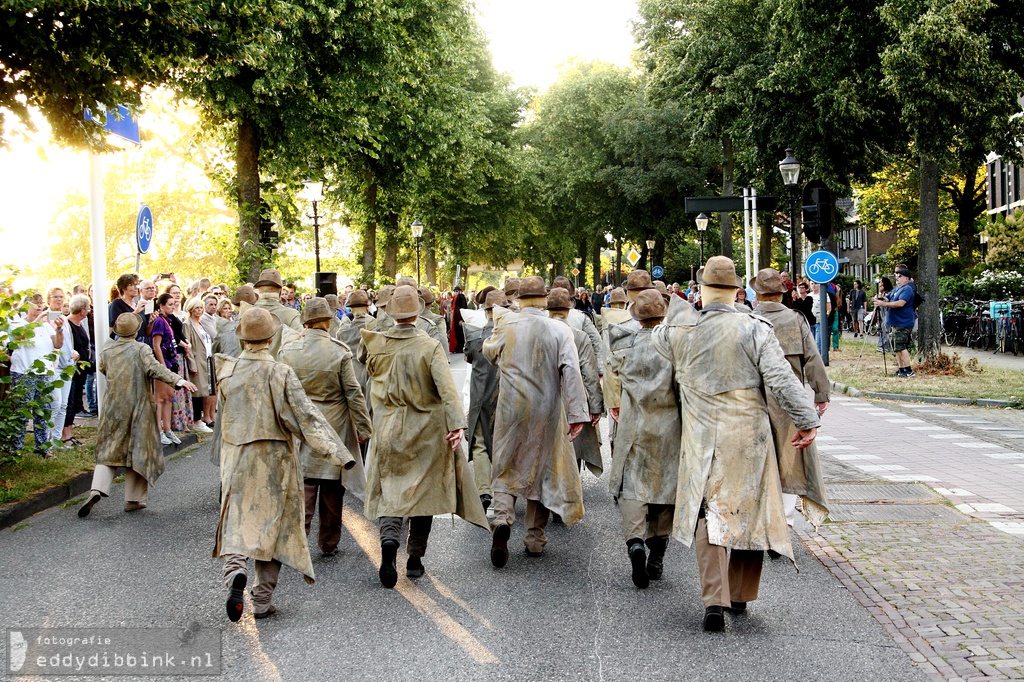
x=144 y=228
x=821 y=267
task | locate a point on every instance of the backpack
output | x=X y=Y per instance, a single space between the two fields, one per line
x=918 y=300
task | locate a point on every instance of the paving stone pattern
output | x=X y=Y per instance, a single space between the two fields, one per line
x=942 y=571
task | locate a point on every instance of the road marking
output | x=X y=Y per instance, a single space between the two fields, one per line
x=909 y=478
x=970 y=421
x=985 y=508
x=947 y=435
x=828 y=447
x=367 y=537
x=955 y=492
x=826 y=438
x=855 y=457
x=905 y=421
x=880 y=467
x=975 y=446
x=927 y=428
x=1011 y=527
x=1002 y=455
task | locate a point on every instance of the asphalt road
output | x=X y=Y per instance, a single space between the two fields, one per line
x=572 y=615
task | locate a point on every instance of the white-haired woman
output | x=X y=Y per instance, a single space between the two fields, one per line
x=77 y=331
x=200 y=365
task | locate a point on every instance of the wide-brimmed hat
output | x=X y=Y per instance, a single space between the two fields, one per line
x=406 y=280
x=270 y=278
x=769 y=281
x=719 y=273
x=618 y=295
x=662 y=288
x=246 y=293
x=559 y=299
x=563 y=282
x=256 y=324
x=481 y=295
x=638 y=280
x=384 y=295
x=405 y=303
x=358 y=299
x=332 y=300
x=532 y=287
x=495 y=297
x=512 y=285
x=427 y=295
x=648 y=304
x=127 y=325
x=317 y=309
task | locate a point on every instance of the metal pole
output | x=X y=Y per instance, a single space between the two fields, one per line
x=824 y=328
x=746 y=233
x=753 y=231
x=417 y=261
x=316 y=235
x=794 y=255
x=98 y=245
x=701 y=249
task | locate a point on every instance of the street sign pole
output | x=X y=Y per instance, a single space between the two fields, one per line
x=821 y=268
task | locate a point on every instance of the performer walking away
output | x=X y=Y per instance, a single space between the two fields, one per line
x=579 y=320
x=264 y=412
x=269 y=288
x=587 y=445
x=483 y=398
x=324 y=366
x=799 y=470
x=415 y=468
x=728 y=495
x=541 y=398
x=645 y=463
x=129 y=434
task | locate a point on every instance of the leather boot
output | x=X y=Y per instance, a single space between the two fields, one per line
x=656 y=558
x=638 y=559
x=388 y=571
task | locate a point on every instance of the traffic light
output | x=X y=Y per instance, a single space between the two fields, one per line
x=812 y=223
x=269 y=237
x=817 y=211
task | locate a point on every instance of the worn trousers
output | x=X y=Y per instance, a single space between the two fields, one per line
x=136 y=487
x=536 y=519
x=419 y=532
x=789 y=502
x=267 y=573
x=481 y=461
x=332 y=496
x=643 y=521
x=726 y=576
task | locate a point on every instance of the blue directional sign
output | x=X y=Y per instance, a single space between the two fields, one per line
x=657 y=272
x=144 y=228
x=120 y=123
x=821 y=267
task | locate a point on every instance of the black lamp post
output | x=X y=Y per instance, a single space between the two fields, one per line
x=790 y=169
x=417 y=232
x=702 y=227
x=314 y=194
x=650 y=255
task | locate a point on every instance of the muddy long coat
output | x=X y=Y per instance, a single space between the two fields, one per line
x=645 y=460
x=324 y=366
x=724 y=360
x=580 y=321
x=196 y=360
x=411 y=469
x=263 y=411
x=799 y=470
x=128 y=432
x=440 y=330
x=348 y=334
x=290 y=319
x=483 y=388
x=587 y=445
x=386 y=322
x=226 y=343
x=540 y=393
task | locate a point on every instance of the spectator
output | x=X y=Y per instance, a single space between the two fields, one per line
x=858 y=307
x=884 y=287
x=787 y=298
x=166 y=351
x=225 y=311
x=288 y=297
x=199 y=366
x=78 y=332
x=66 y=356
x=127 y=289
x=741 y=299
x=92 y=406
x=46 y=339
x=751 y=299
x=836 y=316
x=209 y=317
x=803 y=303
x=899 y=304
x=181 y=404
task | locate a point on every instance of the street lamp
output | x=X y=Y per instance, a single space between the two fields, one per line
x=417 y=232
x=650 y=254
x=313 y=192
x=983 y=239
x=702 y=226
x=551 y=269
x=790 y=169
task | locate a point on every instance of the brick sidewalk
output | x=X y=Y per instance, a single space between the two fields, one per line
x=947 y=587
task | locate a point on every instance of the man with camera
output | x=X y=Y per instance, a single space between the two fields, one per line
x=900 y=304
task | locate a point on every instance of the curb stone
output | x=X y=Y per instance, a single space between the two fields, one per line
x=933 y=400
x=16 y=512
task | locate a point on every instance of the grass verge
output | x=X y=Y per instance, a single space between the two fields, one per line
x=32 y=473
x=859 y=364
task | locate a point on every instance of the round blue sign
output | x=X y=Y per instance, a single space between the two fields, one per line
x=821 y=267
x=144 y=228
x=657 y=272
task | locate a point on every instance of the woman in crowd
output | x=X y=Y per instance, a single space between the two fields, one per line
x=165 y=348
x=66 y=357
x=200 y=370
x=181 y=404
x=47 y=338
x=225 y=310
x=76 y=329
x=741 y=298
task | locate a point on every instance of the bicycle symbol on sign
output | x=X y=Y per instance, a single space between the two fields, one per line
x=146 y=230
x=822 y=265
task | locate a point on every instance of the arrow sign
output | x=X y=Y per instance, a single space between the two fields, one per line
x=633 y=257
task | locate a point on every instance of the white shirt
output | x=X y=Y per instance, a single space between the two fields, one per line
x=41 y=345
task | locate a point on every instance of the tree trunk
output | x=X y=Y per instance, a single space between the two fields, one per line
x=595 y=259
x=727 y=191
x=370 y=230
x=967 y=211
x=928 y=261
x=618 y=262
x=430 y=260
x=391 y=248
x=764 y=240
x=247 y=168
